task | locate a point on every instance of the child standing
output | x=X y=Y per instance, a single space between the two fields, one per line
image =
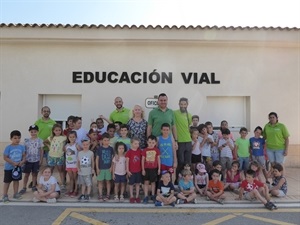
x=133 y=168
x=215 y=189
x=150 y=167
x=56 y=157
x=124 y=136
x=14 y=156
x=257 y=150
x=81 y=132
x=195 y=122
x=215 y=154
x=187 y=190
x=104 y=157
x=165 y=190
x=279 y=185
x=168 y=155
x=242 y=146
x=85 y=165
x=201 y=179
x=119 y=171
x=253 y=189
x=34 y=157
x=48 y=189
x=111 y=128
x=71 y=150
x=206 y=140
x=196 y=151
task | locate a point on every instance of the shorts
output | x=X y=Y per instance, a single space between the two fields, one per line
x=56 y=161
x=281 y=194
x=235 y=185
x=276 y=155
x=120 y=179
x=201 y=186
x=261 y=161
x=8 y=177
x=104 y=175
x=31 y=167
x=247 y=196
x=135 y=178
x=226 y=163
x=167 y=168
x=151 y=175
x=72 y=170
x=85 y=180
x=196 y=158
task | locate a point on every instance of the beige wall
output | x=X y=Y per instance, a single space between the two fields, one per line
x=262 y=64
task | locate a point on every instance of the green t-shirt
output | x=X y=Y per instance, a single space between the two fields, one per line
x=275 y=136
x=122 y=116
x=243 y=147
x=157 y=117
x=182 y=123
x=45 y=128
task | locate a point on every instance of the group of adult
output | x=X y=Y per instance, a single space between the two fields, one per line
x=275 y=133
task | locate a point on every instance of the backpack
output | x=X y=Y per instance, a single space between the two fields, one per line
x=16 y=173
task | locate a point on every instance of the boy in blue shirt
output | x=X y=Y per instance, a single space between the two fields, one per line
x=187 y=192
x=14 y=156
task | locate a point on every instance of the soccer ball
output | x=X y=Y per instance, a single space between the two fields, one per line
x=85 y=160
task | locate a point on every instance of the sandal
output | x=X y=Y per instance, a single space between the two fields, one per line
x=116 y=198
x=121 y=198
x=100 y=198
x=106 y=198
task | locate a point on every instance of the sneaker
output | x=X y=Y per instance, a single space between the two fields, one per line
x=153 y=198
x=121 y=198
x=132 y=200
x=116 y=198
x=69 y=193
x=269 y=206
x=73 y=194
x=34 y=189
x=17 y=196
x=107 y=197
x=81 y=198
x=87 y=198
x=172 y=204
x=180 y=201
x=195 y=201
x=145 y=200
x=30 y=185
x=207 y=198
x=274 y=206
x=63 y=187
x=34 y=199
x=158 y=203
x=5 y=199
x=137 y=200
x=220 y=201
x=51 y=200
x=22 y=191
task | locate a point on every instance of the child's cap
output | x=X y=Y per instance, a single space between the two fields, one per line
x=33 y=127
x=201 y=168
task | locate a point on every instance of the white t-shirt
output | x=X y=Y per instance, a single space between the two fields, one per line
x=81 y=135
x=71 y=156
x=206 y=147
x=120 y=165
x=196 y=150
x=46 y=185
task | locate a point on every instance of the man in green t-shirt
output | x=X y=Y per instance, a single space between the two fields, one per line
x=183 y=120
x=121 y=113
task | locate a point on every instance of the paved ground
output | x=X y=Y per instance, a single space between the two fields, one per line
x=292 y=175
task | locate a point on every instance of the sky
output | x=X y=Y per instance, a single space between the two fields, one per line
x=267 y=13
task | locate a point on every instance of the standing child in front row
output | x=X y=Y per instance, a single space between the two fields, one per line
x=48 y=189
x=71 y=150
x=252 y=189
x=14 y=155
x=165 y=190
x=187 y=189
x=242 y=149
x=56 y=157
x=85 y=165
x=168 y=155
x=34 y=157
x=133 y=168
x=150 y=167
x=119 y=171
x=104 y=157
x=215 y=154
x=215 y=190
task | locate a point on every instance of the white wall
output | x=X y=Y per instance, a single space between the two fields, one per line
x=257 y=63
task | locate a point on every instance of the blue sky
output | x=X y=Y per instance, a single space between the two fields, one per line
x=283 y=13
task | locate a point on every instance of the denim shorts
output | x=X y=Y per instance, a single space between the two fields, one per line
x=276 y=155
x=56 y=161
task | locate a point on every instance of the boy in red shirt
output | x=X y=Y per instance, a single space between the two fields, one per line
x=133 y=168
x=252 y=189
x=215 y=189
x=150 y=167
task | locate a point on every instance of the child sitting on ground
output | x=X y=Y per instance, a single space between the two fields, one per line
x=215 y=189
x=233 y=177
x=165 y=190
x=253 y=189
x=201 y=179
x=279 y=185
x=187 y=189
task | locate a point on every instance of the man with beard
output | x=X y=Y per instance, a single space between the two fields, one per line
x=120 y=113
x=158 y=116
x=183 y=120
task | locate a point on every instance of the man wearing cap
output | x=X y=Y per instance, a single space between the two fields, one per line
x=45 y=124
x=120 y=113
x=183 y=120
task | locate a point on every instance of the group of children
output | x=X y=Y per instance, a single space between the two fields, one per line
x=110 y=157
